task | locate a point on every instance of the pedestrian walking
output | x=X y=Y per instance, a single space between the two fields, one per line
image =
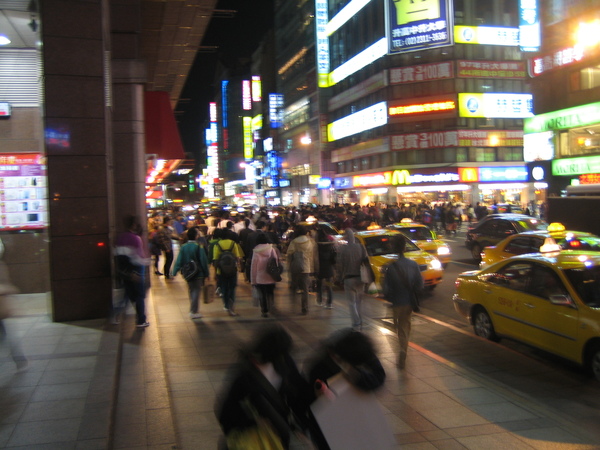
x=351 y=257
x=301 y=256
x=402 y=287
x=259 y=277
x=132 y=261
x=226 y=259
x=192 y=254
x=327 y=258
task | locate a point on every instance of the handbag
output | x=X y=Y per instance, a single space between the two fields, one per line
x=190 y=270
x=274 y=268
x=208 y=293
x=366 y=274
x=256 y=296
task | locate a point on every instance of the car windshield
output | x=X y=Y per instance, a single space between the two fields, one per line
x=587 y=284
x=384 y=245
x=530 y=225
x=417 y=233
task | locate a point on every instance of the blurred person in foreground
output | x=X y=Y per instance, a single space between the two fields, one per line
x=132 y=261
x=189 y=251
x=345 y=353
x=265 y=402
x=402 y=287
x=7 y=289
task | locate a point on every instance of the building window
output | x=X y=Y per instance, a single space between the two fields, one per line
x=485 y=154
x=510 y=154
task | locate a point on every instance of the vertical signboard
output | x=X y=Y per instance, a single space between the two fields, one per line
x=248 y=141
x=321 y=20
x=529 y=26
x=418 y=25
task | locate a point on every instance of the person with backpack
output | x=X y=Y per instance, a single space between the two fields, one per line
x=402 y=285
x=301 y=256
x=226 y=254
x=192 y=254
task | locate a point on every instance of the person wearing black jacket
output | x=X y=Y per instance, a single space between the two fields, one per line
x=327 y=259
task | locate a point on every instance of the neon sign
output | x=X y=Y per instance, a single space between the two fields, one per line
x=486 y=35
x=246 y=95
x=422 y=108
x=321 y=18
x=402 y=177
x=366 y=119
x=529 y=25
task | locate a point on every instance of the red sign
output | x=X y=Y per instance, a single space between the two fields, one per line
x=459 y=138
x=589 y=178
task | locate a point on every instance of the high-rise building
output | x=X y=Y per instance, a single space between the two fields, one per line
x=562 y=141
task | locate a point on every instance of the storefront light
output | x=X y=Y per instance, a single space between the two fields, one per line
x=540 y=185
x=446 y=187
x=504 y=186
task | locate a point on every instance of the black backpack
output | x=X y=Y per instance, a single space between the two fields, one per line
x=227 y=262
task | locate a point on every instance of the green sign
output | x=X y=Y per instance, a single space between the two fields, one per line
x=578 y=116
x=576 y=166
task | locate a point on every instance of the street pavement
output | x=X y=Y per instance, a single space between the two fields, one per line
x=91 y=385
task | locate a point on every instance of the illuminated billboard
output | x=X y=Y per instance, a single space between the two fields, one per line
x=422 y=108
x=321 y=19
x=23 y=199
x=495 y=105
x=256 y=88
x=499 y=174
x=276 y=110
x=530 y=33
x=246 y=95
x=248 y=140
x=486 y=35
x=563 y=119
x=491 y=69
x=422 y=72
x=366 y=119
x=418 y=25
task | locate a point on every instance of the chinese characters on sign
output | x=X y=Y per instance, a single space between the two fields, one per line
x=23 y=192
x=460 y=138
x=422 y=72
x=563 y=57
x=491 y=69
x=418 y=25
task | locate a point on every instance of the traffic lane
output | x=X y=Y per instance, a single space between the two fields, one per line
x=438 y=305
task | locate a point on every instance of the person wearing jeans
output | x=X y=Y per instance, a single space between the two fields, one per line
x=188 y=252
x=352 y=255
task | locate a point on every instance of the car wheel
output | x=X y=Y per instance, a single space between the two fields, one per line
x=476 y=253
x=594 y=361
x=483 y=326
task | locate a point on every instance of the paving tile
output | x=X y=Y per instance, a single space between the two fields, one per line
x=502 y=412
x=52 y=410
x=44 y=432
x=60 y=391
x=497 y=441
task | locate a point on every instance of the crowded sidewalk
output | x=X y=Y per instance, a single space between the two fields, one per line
x=91 y=385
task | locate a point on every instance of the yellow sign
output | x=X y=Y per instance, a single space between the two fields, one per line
x=314 y=179
x=412 y=10
x=400 y=177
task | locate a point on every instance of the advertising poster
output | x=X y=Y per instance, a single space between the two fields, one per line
x=23 y=198
x=418 y=25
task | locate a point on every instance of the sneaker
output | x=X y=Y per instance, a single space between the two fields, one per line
x=232 y=313
x=143 y=325
x=319 y=303
x=328 y=306
x=195 y=316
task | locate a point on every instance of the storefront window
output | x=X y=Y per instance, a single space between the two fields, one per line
x=364 y=164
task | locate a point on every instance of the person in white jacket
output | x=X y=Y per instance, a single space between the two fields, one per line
x=259 y=277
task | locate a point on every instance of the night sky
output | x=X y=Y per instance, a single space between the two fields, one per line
x=237 y=38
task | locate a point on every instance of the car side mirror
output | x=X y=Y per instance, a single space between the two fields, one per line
x=562 y=300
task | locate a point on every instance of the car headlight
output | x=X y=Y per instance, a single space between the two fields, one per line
x=435 y=264
x=443 y=251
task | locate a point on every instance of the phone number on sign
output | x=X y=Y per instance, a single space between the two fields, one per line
x=422 y=39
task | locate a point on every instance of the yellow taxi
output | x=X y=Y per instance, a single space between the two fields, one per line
x=380 y=246
x=425 y=239
x=532 y=241
x=550 y=301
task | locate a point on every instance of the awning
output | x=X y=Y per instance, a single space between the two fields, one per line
x=162 y=134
